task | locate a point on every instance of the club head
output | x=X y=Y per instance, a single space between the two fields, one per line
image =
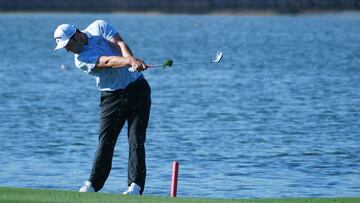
x=218 y=57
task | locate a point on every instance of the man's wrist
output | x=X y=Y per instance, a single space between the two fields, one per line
x=130 y=60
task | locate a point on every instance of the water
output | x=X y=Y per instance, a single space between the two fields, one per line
x=278 y=117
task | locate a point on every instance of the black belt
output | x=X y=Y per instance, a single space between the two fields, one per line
x=136 y=82
x=128 y=87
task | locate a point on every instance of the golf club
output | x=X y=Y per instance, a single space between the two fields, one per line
x=169 y=62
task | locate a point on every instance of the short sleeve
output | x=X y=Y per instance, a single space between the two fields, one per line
x=103 y=29
x=87 y=63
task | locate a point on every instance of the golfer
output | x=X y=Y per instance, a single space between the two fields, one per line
x=100 y=51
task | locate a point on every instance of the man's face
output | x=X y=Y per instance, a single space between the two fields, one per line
x=73 y=45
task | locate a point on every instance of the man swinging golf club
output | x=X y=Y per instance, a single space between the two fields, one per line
x=100 y=51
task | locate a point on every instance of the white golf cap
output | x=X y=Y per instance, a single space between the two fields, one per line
x=62 y=35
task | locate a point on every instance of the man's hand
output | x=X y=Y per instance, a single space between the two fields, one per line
x=137 y=64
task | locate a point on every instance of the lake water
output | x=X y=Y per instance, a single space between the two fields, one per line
x=278 y=117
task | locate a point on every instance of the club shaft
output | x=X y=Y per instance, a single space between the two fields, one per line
x=218 y=57
x=182 y=63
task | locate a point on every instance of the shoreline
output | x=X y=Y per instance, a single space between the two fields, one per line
x=201 y=7
x=217 y=13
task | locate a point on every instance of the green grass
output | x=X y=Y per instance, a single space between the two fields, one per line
x=17 y=195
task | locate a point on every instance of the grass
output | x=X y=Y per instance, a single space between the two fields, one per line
x=19 y=195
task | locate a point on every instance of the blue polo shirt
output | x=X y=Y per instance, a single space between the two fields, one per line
x=108 y=79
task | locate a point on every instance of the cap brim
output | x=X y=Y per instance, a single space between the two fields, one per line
x=61 y=45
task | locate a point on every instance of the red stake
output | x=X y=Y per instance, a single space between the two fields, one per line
x=174 y=178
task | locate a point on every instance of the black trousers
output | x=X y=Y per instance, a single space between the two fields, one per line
x=132 y=105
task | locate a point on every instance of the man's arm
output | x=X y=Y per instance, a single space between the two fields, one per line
x=120 y=62
x=118 y=43
x=125 y=60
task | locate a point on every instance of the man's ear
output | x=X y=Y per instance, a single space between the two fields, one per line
x=77 y=36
